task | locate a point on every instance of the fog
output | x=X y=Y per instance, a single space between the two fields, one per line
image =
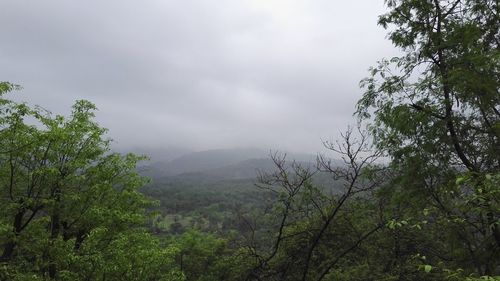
x=194 y=74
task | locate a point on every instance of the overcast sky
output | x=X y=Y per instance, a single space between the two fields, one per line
x=198 y=74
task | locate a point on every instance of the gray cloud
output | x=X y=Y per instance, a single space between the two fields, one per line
x=196 y=73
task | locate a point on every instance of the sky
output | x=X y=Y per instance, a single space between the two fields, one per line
x=197 y=74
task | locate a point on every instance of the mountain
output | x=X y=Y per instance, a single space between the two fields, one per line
x=242 y=163
x=201 y=161
x=155 y=154
x=246 y=169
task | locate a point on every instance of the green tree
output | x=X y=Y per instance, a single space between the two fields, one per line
x=436 y=113
x=70 y=209
x=205 y=257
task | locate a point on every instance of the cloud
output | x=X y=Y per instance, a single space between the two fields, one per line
x=197 y=73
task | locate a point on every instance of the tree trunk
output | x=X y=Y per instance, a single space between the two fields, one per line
x=9 y=247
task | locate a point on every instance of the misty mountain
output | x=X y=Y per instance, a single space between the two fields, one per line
x=246 y=170
x=156 y=154
x=221 y=163
x=201 y=161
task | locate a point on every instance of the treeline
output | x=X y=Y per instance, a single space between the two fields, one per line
x=417 y=197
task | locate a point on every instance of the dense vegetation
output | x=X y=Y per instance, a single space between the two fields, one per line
x=415 y=197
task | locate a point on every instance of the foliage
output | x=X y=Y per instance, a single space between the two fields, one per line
x=436 y=114
x=70 y=209
x=204 y=257
x=429 y=209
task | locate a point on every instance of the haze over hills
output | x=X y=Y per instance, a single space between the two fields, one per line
x=222 y=163
x=156 y=154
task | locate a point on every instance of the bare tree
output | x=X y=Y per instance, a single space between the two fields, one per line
x=299 y=199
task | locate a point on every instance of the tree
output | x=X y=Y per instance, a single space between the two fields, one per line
x=70 y=209
x=204 y=257
x=318 y=229
x=436 y=113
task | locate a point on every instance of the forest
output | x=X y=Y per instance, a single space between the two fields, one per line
x=412 y=191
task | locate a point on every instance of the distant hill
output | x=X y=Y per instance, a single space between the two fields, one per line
x=243 y=170
x=200 y=161
x=156 y=154
x=224 y=163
